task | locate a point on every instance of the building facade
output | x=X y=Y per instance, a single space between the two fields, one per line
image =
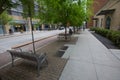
x=18 y=24
x=97 y=5
x=108 y=16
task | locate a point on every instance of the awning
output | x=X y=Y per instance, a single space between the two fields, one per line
x=104 y=12
x=18 y=21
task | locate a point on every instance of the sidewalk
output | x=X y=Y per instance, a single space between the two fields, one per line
x=89 y=59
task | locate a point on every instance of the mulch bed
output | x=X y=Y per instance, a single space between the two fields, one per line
x=109 y=44
x=26 y=70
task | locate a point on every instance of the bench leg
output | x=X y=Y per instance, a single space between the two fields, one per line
x=46 y=61
x=39 y=65
x=38 y=69
x=13 y=61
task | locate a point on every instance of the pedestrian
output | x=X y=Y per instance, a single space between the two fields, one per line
x=70 y=31
x=10 y=31
x=83 y=28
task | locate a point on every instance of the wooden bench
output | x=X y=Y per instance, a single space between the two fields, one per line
x=39 y=59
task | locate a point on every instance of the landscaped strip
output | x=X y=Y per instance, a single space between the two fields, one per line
x=113 y=35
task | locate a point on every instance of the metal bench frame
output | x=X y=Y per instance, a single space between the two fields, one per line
x=29 y=56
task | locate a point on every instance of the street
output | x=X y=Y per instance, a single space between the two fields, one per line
x=7 y=43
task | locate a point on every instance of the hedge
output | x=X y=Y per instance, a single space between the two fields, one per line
x=112 y=35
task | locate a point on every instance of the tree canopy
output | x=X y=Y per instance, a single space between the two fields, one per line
x=72 y=12
x=5 y=4
x=5 y=18
x=28 y=7
x=54 y=11
x=64 y=11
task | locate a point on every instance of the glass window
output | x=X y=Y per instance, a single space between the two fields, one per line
x=16 y=13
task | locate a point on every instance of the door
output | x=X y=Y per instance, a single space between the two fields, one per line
x=108 y=22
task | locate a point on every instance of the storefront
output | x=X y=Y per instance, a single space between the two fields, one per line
x=19 y=25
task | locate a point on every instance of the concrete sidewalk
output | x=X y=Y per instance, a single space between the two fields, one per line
x=89 y=59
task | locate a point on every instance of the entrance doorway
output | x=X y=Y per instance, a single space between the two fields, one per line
x=19 y=27
x=108 y=22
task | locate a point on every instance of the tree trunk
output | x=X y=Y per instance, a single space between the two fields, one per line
x=65 y=33
x=74 y=29
x=32 y=30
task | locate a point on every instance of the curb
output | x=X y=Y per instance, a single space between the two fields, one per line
x=30 y=42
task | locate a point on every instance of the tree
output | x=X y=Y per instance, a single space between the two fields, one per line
x=46 y=11
x=5 y=18
x=28 y=9
x=64 y=11
x=89 y=10
x=6 y=4
x=53 y=11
